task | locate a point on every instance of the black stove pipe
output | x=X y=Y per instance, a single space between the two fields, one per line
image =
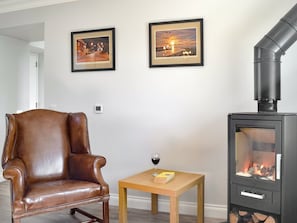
x=267 y=55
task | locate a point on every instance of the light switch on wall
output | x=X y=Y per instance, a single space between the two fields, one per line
x=98 y=109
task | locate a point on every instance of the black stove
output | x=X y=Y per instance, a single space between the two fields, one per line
x=262 y=146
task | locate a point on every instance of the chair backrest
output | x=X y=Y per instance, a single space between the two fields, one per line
x=43 y=140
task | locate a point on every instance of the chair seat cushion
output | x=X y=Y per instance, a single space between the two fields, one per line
x=60 y=192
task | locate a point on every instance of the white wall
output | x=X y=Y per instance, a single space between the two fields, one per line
x=14 y=65
x=14 y=73
x=180 y=112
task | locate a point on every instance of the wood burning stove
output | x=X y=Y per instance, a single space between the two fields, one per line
x=262 y=161
x=262 y=167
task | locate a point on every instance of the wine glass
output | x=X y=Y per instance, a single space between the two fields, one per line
x=155 y=160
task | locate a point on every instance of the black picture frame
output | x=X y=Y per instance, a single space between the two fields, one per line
x=176 y=43
x=93 y=50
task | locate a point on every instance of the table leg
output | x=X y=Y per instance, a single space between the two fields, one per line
x=200 y=200
x=174 y=214
x=122 y=204
x=154 y=203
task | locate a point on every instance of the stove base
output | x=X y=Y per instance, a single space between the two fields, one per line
x=244 y=215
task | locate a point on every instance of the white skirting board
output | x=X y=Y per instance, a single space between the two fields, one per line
x=188 y=208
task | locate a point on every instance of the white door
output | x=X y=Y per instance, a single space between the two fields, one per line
x=33 y=87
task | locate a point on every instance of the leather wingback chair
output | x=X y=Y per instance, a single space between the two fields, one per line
x=48 y=162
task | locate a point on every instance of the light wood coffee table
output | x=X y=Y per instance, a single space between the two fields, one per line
x=179 y=184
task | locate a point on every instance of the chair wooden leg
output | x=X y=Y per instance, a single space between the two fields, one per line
x=16 y=220
x=72 y=211
x=105 y=211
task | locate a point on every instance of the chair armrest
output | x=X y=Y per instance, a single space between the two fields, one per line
x=87 y=167
x=15 y=171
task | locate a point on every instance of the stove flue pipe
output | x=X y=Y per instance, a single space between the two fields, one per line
x=267 y=54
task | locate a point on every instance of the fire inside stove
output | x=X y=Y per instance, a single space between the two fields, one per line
x=255 y=153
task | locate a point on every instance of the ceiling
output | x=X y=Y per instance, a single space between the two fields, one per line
x=29 y=32
x=15 y=5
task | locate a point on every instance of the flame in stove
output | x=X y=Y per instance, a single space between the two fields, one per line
x=258 y=170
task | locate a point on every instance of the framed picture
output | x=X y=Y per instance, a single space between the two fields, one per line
x=176 y=43
x=93 y=50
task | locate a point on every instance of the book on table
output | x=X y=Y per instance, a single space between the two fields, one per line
x=164 y=177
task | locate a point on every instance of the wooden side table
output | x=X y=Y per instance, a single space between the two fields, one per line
x=144 y=182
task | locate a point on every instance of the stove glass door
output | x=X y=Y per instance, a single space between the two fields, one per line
x=256 y=153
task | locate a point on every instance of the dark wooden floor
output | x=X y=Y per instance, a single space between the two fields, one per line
x=134 y=215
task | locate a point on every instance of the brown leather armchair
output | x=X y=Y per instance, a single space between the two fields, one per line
x=47 y=159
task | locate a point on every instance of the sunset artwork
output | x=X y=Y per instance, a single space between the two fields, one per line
x=176 y=43
x=92 y=50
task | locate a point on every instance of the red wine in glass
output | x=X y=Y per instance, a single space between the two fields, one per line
x=155 y=160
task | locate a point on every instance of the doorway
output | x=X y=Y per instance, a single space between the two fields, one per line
x=33 y=81
x=29 y=75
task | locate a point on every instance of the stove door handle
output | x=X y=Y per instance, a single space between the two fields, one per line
x=278 y=166
x=252 y=195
